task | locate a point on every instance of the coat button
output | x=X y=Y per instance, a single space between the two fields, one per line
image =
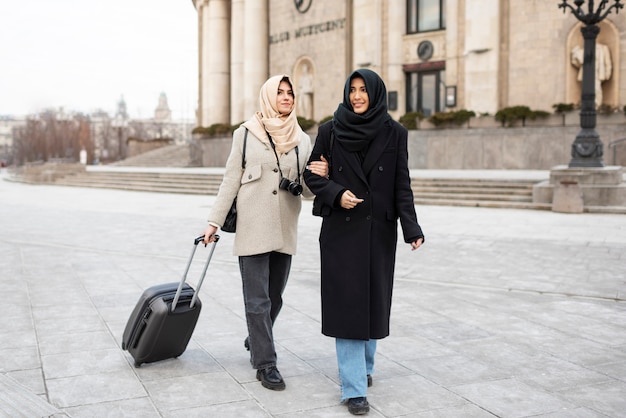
x=274 y=192
x=340 y=168
x=369 y=217
x=347 y=219
x=249 y=176
x=275 y=170
x=380 y=168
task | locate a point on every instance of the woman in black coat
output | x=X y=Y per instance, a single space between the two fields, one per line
x=367 y=191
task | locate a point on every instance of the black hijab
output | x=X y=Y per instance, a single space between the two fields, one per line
x=356 y=131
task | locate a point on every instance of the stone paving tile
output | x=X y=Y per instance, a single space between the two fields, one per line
x=512 y=398
x=191 y=391
x=78 y=363
x=606 y=398
x=32 y=379
x=240 y=409
x=454 y=370
x=88 y=389
x=64 y=343
x=193 y=361
x=129 y=408
x=305 y=392
x=19 y=358
x=403 y=395
x=16 y=401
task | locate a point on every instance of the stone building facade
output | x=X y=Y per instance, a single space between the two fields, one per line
x=434 y=55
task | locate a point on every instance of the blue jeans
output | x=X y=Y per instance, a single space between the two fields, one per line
x=264 y=277
x=355 y=359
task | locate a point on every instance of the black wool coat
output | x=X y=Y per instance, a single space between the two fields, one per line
x=358 y=246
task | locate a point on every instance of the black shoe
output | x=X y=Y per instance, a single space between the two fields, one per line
x=369 y=380
x=246 y=343
x=271 y=378
x=358 y=406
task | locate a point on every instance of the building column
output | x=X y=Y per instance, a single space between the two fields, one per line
x=215 y=76
x=255 y=53
x=367 y=35
x=482 y=51
x=393 y=55
x=237 y=31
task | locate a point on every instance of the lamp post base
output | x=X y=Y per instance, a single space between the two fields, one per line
x=587 y=150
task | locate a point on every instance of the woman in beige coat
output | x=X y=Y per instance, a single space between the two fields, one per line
x=268 y=195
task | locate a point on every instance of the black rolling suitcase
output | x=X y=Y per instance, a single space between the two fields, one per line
x=164 y=318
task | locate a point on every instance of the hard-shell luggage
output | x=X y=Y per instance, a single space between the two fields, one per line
x=164 y=318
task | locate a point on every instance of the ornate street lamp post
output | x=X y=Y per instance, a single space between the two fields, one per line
x=587 y=147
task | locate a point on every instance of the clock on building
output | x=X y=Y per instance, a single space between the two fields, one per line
x=425 y=50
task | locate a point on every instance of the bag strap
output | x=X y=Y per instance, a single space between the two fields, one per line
x=277 y=160
x=243 y=156
x=329 y=157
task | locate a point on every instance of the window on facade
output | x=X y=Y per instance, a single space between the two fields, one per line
x=425 y=15
x=425 y=92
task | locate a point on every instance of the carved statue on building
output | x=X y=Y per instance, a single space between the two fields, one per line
x=305 y=93
x=604 y=66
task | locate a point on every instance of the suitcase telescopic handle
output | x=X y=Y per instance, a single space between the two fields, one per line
x=184 y=278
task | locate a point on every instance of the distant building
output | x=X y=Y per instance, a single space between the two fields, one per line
x=7 y=125
x=108 y=135
x=162 y=113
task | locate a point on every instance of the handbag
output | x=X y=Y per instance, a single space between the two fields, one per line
x=230 y=223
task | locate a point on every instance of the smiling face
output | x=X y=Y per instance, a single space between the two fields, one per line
x=284 y=98
x=359 y=99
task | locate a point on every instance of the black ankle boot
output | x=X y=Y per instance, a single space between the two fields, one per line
x=358 y=406
x=271 y=378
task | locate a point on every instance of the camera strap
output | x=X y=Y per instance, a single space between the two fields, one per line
x=278 y=162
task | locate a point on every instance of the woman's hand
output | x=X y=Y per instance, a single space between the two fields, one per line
x=319 y=167
x=209 y=234
x=416 y=244
x=349 y=200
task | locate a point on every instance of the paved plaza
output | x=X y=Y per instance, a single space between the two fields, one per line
x=502 y=313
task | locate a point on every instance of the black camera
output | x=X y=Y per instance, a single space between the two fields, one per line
x=292 y=187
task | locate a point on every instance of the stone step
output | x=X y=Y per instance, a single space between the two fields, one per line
x=192 y=183
x=474 y=196
x=483 y=204
x=202 y=183
x=462 y=189
x=167 y=156
x=448 y=191
x=454 y=182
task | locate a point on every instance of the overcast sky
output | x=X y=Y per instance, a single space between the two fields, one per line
x=86 y=55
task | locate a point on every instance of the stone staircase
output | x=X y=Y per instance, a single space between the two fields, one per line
x=427 y=191
x=495 y=193
x=167 y=156
x=148 y=180
x=166 y=170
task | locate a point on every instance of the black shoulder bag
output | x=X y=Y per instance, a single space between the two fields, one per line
x=230 y=223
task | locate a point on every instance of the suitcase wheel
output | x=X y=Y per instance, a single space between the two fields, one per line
x=137 y=364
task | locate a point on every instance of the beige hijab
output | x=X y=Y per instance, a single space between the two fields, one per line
x=284 y=129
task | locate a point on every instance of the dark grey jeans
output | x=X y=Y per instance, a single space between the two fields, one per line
x=264 y=277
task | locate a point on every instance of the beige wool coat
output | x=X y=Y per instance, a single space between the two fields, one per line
x=267 y=217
